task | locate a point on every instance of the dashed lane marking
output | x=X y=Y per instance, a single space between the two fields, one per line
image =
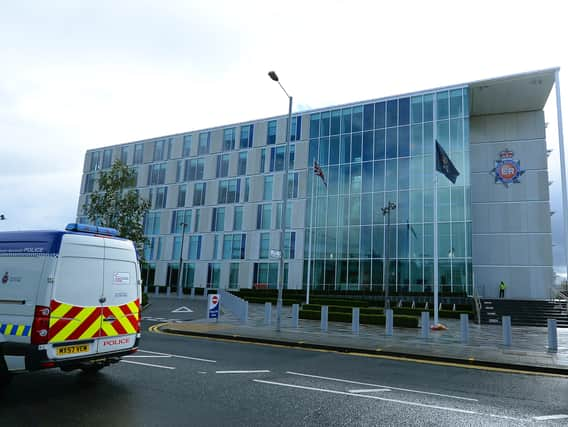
x=369 y=390
x=381 y=386
x=178 y=356
x=151 y=365
x=364 y=396
x=258 y=371
x=550 y=417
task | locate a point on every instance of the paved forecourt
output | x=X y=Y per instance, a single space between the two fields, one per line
x=528 y=350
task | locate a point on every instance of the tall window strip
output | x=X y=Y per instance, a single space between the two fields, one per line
x=242 y=166
x=107 y=158
x=182 y=193
x=271 y=132
x=138 y=154
x=186 y=149
x=156 y=174
x=218 y=219
x=199 y=193
x=222 y=165
x=193 y=169
x=204 y=141
x=229 y=191
x=229 y=139
x=246 y=136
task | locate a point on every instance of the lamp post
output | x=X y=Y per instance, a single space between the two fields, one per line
x=180 y=271
x=386 y=211
x=274 y=77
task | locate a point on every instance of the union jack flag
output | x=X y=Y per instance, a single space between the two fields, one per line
x=319 y=172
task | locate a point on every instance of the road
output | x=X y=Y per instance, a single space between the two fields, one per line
x=182 y=381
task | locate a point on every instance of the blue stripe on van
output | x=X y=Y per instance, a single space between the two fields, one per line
x=2 y=328
x=27 y=330
x=30 y=242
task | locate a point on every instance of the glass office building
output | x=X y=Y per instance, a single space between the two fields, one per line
x=380 y=152
x=225 y=184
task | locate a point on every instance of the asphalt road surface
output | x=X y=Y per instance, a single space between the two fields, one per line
x=182 y=381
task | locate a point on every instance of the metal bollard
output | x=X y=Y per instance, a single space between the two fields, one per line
x=355 y=320
x=507 y=333
x=192 y=292
x=464 y=321
x=267 y=313
x=425 y=324
x=156 y=290
x=324 y=318
x=388 y=323
x=295 y=315
x=552 y=336
x=245 y=309
x=167 y=291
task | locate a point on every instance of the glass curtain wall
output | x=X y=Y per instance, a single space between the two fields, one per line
x=379 y=152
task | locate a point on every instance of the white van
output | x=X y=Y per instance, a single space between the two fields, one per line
x=68 y=299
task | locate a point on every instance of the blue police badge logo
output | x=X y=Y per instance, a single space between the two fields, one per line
x=507 y=170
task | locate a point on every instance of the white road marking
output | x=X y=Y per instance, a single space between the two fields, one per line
x=147 y=364
x=259 y=371
x=178 y=356
x=382 y=386
x=156 y=356
x=550 y=417
x=344 y=393
x=369 y=390
x=182 y=309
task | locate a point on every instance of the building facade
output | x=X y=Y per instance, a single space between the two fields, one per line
x=216 y=195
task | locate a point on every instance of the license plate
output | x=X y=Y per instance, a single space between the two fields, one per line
x=72 y=349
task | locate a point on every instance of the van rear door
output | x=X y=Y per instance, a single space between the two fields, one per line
x=75 y=317
x=121 y=297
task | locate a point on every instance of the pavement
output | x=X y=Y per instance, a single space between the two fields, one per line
x=528 y=351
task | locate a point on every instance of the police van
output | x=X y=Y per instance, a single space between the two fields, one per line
x=68 y=299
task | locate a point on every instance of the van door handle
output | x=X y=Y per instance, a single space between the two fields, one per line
x=102 y=300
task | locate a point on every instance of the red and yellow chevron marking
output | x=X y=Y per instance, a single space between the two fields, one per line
x=70 y=322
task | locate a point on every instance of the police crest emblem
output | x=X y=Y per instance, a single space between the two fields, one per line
x=507 y=170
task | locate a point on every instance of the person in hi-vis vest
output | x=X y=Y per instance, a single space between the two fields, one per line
x=502 y=289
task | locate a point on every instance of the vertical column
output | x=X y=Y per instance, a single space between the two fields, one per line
x=355 y=320
x=552 y=336
x=388 y=322
x=295 y=315
x=507 y=332
x=464 y=322
x=324 y=318
x=425 y=324
x=267 y=313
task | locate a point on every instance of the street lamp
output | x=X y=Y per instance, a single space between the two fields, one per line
x=274 y=77
x=180 y=271
x=386 y=211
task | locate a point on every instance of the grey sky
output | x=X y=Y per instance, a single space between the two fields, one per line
x=76 y=75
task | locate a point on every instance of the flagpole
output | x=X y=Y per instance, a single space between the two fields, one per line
x=310 y=236
x=435 y=134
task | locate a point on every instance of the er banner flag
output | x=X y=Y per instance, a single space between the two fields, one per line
x=444 y=165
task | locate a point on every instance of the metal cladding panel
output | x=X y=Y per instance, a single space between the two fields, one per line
x=511 y=228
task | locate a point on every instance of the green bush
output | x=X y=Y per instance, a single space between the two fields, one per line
x=448 y=314
x=259 y=300
x=339 y=302
x=366 y=319
x=342 y=309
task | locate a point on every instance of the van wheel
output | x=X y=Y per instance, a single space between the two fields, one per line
x=5 y=376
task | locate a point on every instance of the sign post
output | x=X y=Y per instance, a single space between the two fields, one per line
x=213 y=306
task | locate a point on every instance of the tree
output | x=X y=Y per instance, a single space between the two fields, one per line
x=116 y=204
